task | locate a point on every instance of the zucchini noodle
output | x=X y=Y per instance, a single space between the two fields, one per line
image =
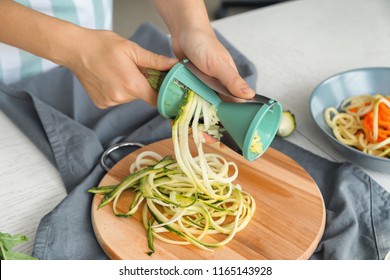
x=189 y=199
x=362 y=122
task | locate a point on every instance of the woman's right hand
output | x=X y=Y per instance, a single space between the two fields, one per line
x=108 y=67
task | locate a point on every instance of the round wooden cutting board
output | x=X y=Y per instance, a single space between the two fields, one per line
x=288 y=223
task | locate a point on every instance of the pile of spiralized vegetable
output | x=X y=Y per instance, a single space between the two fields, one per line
x=363 y=122
x=192 y=197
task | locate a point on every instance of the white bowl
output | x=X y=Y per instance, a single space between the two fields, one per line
x=332 y=92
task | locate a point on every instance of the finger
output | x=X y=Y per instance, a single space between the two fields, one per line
x=137 y=86
x=147 y=59
x=229 y=76
x=101 y=101
x=209 y=139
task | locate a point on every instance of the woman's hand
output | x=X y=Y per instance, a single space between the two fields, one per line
x=194 y=38
x=205 y=51
x=108 y=67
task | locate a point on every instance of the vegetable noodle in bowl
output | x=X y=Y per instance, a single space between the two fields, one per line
x=363 y=122
x=353 y=110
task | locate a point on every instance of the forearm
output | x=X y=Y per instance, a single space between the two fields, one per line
x=194 y=38
x=184 y=15
x=40 y=34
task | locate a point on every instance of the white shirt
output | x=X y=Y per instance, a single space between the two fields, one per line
x=16 y=64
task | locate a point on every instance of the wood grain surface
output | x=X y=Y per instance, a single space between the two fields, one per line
x=294 y=46
x=288 y=222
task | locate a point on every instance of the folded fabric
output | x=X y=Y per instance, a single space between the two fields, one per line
x=54 y=111
x=357 y=208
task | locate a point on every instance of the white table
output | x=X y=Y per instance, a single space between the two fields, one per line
x=298 y=44
x=294 y=45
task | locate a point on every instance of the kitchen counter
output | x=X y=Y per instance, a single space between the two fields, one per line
x=294 y=46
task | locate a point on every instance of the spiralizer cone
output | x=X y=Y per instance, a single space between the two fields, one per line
x=242 y=121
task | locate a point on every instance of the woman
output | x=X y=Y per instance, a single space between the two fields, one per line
x=68 y=33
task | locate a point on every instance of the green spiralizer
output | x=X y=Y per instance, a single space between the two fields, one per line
x=243 y=120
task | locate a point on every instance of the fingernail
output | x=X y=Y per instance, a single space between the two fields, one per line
x=247 y=91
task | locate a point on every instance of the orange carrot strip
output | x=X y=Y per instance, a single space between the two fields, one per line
x=353 y=110
x=368 y=121
x=384 y=124
x=383 y=116
x=385 y=108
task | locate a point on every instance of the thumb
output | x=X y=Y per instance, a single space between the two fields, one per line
x=229 y=76
x=148 y=59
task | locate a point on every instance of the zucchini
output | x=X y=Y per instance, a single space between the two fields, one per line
x=150 y=237
x=189 y=196
x=287 y=124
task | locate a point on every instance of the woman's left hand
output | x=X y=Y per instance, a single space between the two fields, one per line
x=207 y=53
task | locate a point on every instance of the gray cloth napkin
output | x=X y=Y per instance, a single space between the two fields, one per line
x=55 y=113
